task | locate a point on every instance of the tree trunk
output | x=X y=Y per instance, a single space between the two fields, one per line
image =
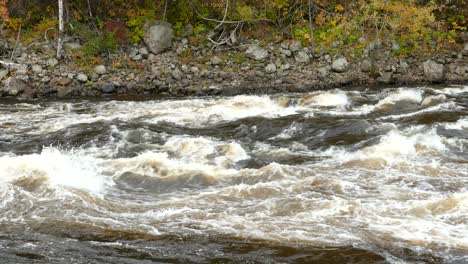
x=61 y=27
x=311 y=26
x=4 y=9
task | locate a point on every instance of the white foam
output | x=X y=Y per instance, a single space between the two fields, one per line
x=402 y=94
x=60 y=168
x=459 y=125
x=395 y=146
x=452 y=90
x=326 y=99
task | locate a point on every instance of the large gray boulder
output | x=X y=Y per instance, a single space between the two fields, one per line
x=301 y=57
x=433 y=71
x=13 y=86
x=158 y=36
x=256 y=53
x=340 y=65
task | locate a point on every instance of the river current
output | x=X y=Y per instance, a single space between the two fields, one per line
x=338 y=176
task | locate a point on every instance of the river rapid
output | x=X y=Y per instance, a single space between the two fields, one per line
x=356 y=176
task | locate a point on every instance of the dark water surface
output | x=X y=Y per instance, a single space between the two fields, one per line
x=374 y=176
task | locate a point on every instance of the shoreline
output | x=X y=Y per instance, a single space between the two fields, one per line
x=250 y=69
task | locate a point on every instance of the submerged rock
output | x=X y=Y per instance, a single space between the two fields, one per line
x=433 y=100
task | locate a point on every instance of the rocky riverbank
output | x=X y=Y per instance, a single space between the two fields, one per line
x=187 y=69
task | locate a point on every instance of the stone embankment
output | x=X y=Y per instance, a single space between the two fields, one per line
x=166 y=65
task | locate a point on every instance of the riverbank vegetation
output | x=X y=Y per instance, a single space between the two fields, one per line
x=102 y=26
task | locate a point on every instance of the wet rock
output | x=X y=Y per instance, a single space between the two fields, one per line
x=108 y=88
x=52 y=62
x=256 y=53
x=433 y=71
x=158 y=36
x=385 y=78
x=366 y=66
x=82 y=77
x=340 y=65
x=100 y=69
x=433 y=100
x=13 y=86
x=270 y=68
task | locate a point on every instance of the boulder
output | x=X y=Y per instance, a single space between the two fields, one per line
x=285 y=67
x=256 y=53
x=52 y=62
x=366 y=66
x=270 y=68
x=433 y=71
x=177 y=74
x=100 y=69
x=64 y=81
x=158 y=36
x=385 y=78
x=14 y=86
x=301 y=57
x=323 y=72
x=36 y=68
x=433 y=100
x=295 y=46
x=82 y=77
x=108 y=88
x=340 y=65
x=144 y=52
x=64 y=91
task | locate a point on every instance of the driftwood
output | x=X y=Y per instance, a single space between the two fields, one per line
x=8 y=64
